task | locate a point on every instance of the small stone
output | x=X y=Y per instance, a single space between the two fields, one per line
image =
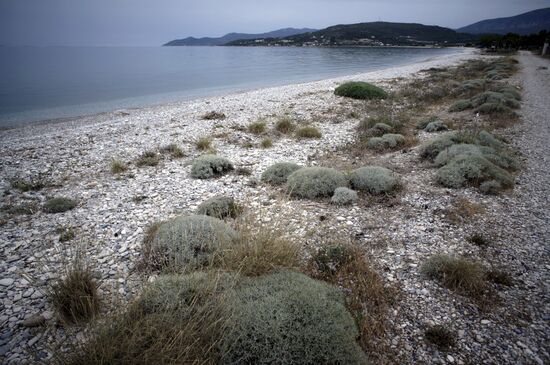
x=6 y=282
x=485 y=321
x=34 y=321
x=450 y=358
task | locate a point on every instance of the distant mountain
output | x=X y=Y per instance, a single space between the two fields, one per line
x=528 y=23
x=373 y=34
x=206 y=41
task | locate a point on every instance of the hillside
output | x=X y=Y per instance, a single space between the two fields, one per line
x=527 y=23
x=220 y=41
x=370 y=34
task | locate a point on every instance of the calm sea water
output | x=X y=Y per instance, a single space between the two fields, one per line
x=38 y=83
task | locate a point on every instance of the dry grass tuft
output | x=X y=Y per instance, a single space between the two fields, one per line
x=259 y=250
x=463 y=210
x=118 y=167
x=344 y=265
x=203 y=143
x=457 y=273
x=308 y=132
x=173 y=150
x=284 y=125
x=148 y=158
x=186 y=326
x=74 y=296
x=267 y=143
x=258 y=127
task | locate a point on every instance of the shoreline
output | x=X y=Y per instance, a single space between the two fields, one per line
x=375 y=75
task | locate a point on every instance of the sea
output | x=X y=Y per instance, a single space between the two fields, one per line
x=44 y=83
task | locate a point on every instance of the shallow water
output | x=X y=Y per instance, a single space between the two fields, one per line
x=38 y=83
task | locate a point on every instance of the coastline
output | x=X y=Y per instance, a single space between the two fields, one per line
x=381 y=74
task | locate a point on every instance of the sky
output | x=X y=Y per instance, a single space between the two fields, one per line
x=154 y=22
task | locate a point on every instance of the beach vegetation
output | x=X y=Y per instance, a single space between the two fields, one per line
x=315 y=182
x=344 y=196
x=220 y=207
x=360 y=90
x=209 y=166
x=278 y=173
x=309 y=132
x=374 y=180
x=59 y=205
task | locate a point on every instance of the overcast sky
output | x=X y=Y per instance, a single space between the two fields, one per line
x=153 y=22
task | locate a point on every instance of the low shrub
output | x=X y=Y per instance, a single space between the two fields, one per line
x=500 y=277
x=440 y=336
x=472 y=169
x=74 y=296
x=462 y=275
x=24 y=208
x=422 y=124
x=266 y=143
x=186 y=242
x=494 y=108
x=32 y=184
x=243 y=171
x=257 y=127
x=288 y=318
x=491 y=187
x=315 y=182
x=432 y=148
x=284 y=125
x=219 y=207
x=436 y=126
x=469 y=87
x=213 y=115
x=308 y=132
x=492 y=97
x=383 y=127
x=208 y=166
x=118 y=167
x=374 y=179
x=360 y=90
x=387 y=141
x=460 y=106
x=344 y=196
x=203 y=143
x=59 y=205
x=277 y=174
x=148 y=158
x=173 y=150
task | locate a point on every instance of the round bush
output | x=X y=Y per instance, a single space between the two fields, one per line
x=374 y=179
x=59 y=205
x=461 y=105
x=473 y=169
x=278 y=173
x=219 y=207
x=387 y=141
x=491 y=187
x=436 y=126
x=383 y=127
x=189 y=241
x=314 y=182
x=360 y=90
x=344 y=196
x=289 y=318
x=208 y=166
x=445 y=156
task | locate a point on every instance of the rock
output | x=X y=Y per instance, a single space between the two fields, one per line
x=6 y=282
x=34 y=321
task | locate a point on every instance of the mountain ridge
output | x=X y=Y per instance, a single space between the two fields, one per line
x=368 y=34
x=229 y=37
x=524 y=24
